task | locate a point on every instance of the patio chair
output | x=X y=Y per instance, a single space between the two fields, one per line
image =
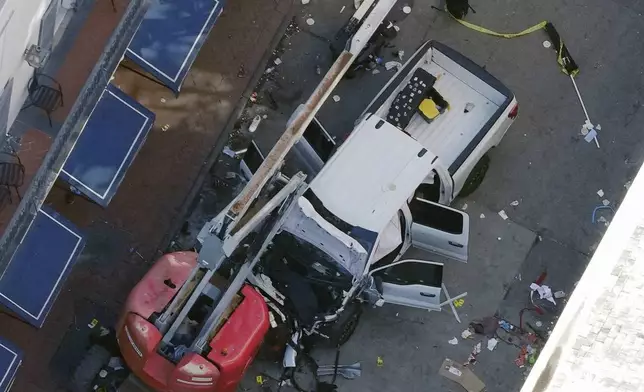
x=12 y=175
x=5 y=198
x=44 y=93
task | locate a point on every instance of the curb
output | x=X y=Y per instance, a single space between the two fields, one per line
x=191 y=198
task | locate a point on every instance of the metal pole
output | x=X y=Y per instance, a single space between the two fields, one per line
x=583 y=106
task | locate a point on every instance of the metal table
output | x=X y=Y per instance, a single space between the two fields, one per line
x=170 y=36
x=39 y=266
x=10 y=360
x=107 y=145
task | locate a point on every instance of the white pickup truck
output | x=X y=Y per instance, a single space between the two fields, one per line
x=447 y=103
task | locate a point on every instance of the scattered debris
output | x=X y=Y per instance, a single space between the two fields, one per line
x=259 y=379
x=305 y=2
x=559 y=294
x=468 y=107
x=605 y=202
x=453 y=341
x=241 y=73
x=482 y=216
x=464 y=207
x=538 y=324
x=491 y=344
x=518 y=277
x=407 y=9
x=253 y=125
x=602 y=207
x=336 y=98
x=515 y=203
x=380 y=362
x=544 y=292
x=277 y=61
x=253 y=97
x=349 y=372
x=389 y=65
x=462 y=375
x=459 y=302
x=162 y=100
x=547 y=44
x=375 y=71
x=600 y=193
x=503 y=215
x=165 y=127
x=310 y=21
x=400 y=54
x=318 y=70
x=466 y=334
x=342 y=9
x=498 y=238
x=269 y=70
x=396 y=28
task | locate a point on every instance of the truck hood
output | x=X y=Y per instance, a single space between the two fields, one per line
x=372 y=174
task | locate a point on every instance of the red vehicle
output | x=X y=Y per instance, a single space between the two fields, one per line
x=229 y=353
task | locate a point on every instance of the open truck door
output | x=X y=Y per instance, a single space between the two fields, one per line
x=315 y=147
x=438 y=229
x=414 y=283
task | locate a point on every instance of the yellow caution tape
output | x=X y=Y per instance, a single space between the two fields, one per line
x=483 y=30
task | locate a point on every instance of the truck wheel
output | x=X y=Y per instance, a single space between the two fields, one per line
x=341 y=331
x=476 y=176
x=93 y=361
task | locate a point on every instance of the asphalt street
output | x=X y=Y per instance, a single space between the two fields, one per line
x=543 y=163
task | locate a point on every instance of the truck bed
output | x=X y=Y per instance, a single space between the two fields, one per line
x=460 y=82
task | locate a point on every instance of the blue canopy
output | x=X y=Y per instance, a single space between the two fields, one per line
x=170 y=37
x=107 y=145
x=39 y=266
x=10 y=360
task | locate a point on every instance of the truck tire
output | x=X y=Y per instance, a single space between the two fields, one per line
x=341 y=331
x=476 y=176
x=93 y=361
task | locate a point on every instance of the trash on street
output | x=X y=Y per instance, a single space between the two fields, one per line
x=600 y=193
x=310 y=21
x=466 y=334
x=453 y=341
x=336 y=98
x=491 y=344
x=389 y=65
x=462 y=375
x=515 y=203
x=503 y=215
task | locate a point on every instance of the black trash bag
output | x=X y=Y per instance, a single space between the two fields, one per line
x=458 y=8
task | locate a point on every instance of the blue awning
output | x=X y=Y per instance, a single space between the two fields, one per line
x=107 y=145
x=10 y=360
x=170 y=36
x=39 y=266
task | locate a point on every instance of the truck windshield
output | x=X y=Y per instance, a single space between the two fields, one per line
x=308 y=260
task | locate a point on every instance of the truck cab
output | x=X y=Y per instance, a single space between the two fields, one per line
x=358 y=217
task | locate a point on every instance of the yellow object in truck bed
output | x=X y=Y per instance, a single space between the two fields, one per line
x=428 y=109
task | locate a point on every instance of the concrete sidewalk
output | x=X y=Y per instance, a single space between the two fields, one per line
x=123 y=239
